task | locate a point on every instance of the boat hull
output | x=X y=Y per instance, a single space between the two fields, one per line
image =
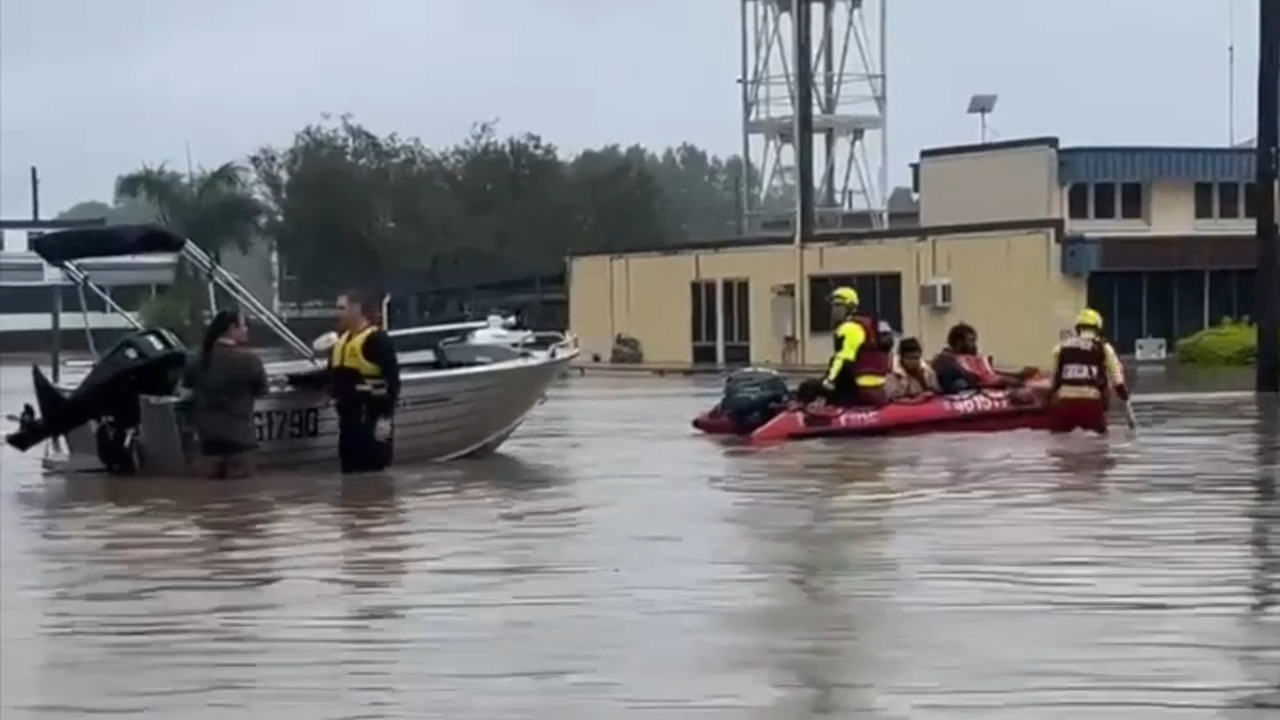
x=441 y=415
x=982 y=411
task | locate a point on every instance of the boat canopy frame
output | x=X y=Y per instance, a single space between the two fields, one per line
x=65 y=248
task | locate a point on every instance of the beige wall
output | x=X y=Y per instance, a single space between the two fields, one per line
x=978 y=187
x=1008 y=285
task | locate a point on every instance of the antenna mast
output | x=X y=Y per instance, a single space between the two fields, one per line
x=1231 y=73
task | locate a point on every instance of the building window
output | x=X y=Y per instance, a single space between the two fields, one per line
x=1106 y=201
x=1228 y=201
x=38 y=299
x=1078 y=201
x=1225 y=201
x=1204 y=201
x=702 y=316
x=880 y=293
x=1131 y=201
x=735 y=308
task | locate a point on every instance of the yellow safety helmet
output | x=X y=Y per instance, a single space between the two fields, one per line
x=1089 y=318
x=844 y=296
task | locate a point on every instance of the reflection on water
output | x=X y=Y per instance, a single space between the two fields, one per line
x=612 y=565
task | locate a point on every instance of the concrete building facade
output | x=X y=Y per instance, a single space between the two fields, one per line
x=1013 y=237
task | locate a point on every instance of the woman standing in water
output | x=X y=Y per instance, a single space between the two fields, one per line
x=225 y=379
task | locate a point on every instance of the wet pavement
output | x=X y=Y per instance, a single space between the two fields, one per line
x=613 y=565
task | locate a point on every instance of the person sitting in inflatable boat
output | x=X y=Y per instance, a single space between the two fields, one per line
x=961 y=367
x=913 y=378
x=862 y=361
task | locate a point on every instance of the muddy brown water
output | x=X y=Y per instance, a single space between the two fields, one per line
x=611 y=564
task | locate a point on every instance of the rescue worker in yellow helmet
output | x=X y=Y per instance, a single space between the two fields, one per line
x=861 y=362
x=364 y=380
x=1086 y=371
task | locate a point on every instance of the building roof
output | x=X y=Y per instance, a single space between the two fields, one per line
x=1128 y=163
x=1055 y=226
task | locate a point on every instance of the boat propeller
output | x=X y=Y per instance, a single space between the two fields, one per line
x=26 y=419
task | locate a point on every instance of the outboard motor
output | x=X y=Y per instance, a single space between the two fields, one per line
x=752 y=397
x=148 y=362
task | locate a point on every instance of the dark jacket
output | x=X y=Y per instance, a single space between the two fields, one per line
x=952 y=377
x=223 y=393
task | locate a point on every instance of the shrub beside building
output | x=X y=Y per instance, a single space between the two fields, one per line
x=1229 y=343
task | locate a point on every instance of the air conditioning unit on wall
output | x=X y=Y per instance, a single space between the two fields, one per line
x=936 y=294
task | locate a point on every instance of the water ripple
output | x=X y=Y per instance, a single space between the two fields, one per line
x=612 y=564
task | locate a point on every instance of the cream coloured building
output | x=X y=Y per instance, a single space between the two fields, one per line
x=1013 y=237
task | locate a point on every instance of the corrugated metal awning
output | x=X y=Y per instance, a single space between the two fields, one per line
x=1147 y=165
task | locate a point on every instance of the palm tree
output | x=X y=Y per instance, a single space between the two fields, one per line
x=215 y=208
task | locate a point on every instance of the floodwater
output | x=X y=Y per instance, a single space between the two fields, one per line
x=612 y=565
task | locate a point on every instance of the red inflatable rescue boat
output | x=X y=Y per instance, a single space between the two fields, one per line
x=976 y=411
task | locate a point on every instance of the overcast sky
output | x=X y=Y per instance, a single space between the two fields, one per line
x=93 y=88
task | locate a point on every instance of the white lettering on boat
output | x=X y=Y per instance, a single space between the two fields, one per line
x=858 y=419
x=977 y=404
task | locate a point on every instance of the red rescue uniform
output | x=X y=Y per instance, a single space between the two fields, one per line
x=1086 y=370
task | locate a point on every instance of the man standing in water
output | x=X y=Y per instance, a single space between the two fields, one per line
x=364 y=379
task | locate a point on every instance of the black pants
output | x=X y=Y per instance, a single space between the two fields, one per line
x=359 y=449
x=846 y=393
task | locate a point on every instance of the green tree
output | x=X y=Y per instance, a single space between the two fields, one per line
x=618 y=201
x=215 y=208
x=348 y=206
x=701 y=192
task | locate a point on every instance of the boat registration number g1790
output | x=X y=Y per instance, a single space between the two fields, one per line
x=286 y=424
x=978 y=403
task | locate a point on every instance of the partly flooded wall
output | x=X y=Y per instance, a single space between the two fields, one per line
x=1008 y=283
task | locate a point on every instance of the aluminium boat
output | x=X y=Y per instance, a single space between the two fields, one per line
x=129 y=415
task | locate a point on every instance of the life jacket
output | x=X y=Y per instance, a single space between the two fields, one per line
x=348 y=357
x=873 y=359
x=1082 y=366
x=978 y=366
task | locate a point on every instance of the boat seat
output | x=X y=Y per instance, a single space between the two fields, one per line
x=453 y=355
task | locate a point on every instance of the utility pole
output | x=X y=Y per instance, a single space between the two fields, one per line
x=35 y=193
x=1268 y=156
x=802 y=141
x=801 y=17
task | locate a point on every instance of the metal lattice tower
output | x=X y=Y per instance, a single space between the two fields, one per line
x=850 y=152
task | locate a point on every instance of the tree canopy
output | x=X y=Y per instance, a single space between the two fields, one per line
x=344 y=205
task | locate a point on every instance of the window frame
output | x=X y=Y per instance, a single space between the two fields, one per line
x=820 y=286
x=1084 y=199
x=1242 y=199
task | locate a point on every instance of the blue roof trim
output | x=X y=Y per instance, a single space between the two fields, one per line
x=1146 y=165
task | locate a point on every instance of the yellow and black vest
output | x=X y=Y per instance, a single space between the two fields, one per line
x=348 y=358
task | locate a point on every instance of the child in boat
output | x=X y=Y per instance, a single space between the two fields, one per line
x=912 y=375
